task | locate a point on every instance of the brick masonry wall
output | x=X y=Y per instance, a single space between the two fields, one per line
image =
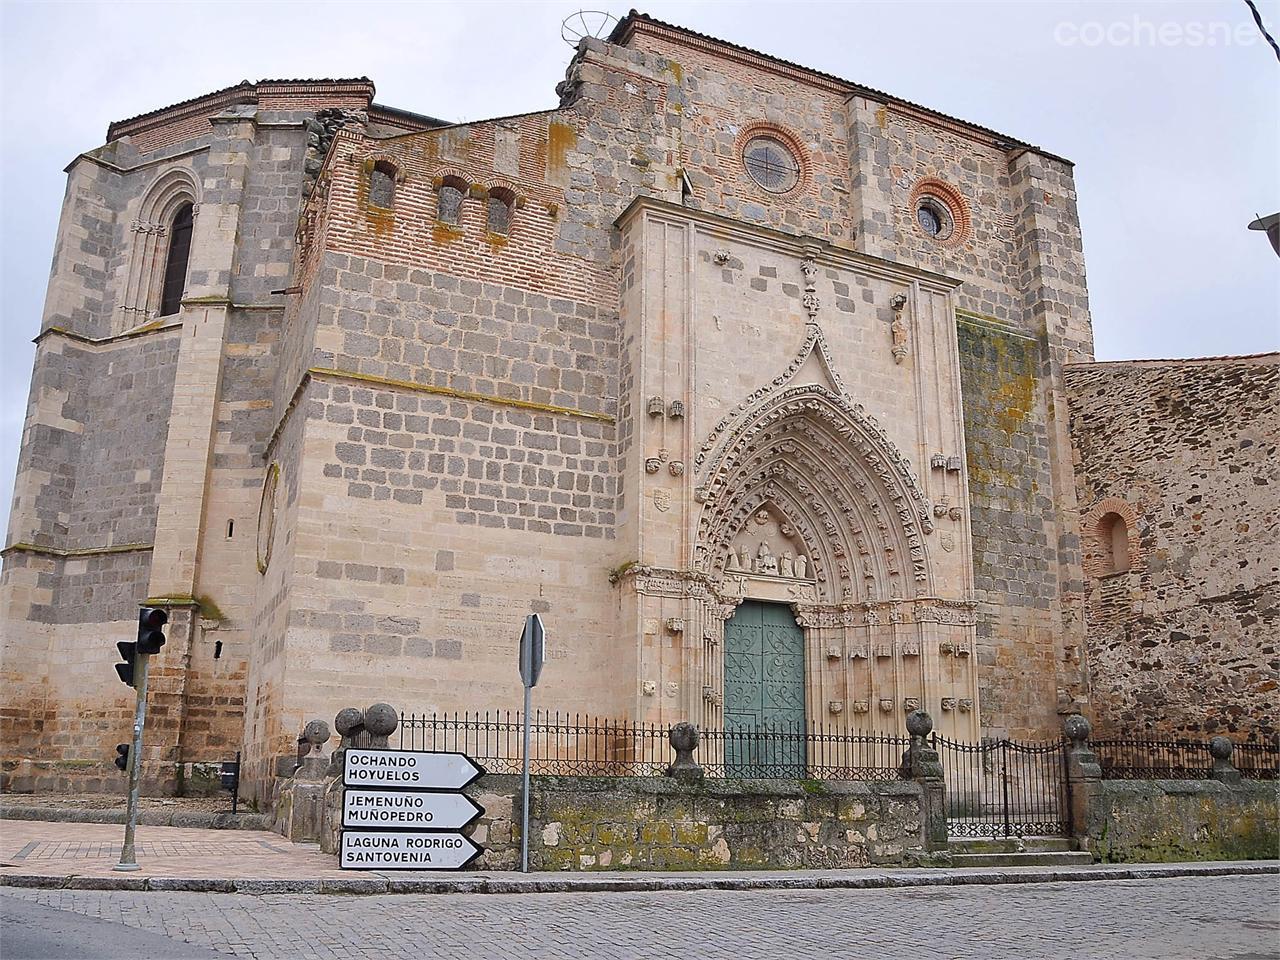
x=1185 y=641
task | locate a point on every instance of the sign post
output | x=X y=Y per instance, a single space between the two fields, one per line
x=532 y=656
x=128 y=858
x=405 y=810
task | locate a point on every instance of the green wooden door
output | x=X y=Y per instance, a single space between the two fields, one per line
x=764 y=692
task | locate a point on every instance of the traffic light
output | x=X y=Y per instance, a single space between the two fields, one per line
x=122 y=761
x=128 y=653
x=150 y=636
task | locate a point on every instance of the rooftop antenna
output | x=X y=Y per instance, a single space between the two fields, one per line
x=586 y=23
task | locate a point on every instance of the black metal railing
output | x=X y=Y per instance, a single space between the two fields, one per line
x=1257 y=761
x=1122 y=759
x=1004 y=788
x=580 y=745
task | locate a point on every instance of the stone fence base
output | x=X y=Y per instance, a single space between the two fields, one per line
x=1166 y=821
x=605 y=823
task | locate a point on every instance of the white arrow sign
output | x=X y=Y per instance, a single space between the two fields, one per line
x=410 y=769
x=398 y=850
x=409 y=809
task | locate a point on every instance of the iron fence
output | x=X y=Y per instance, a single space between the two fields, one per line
x=580 y=745
x=994 y=788
x=1122 y=759
x=1004 y=788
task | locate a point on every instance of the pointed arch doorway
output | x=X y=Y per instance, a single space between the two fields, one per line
x=764 y=692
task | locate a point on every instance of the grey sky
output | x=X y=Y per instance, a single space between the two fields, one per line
x=1176 y=142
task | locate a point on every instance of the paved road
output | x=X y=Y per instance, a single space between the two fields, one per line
x=29 y=931
x=1212 y=918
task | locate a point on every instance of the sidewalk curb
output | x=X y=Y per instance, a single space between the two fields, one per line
x=224 y=820
x=549 y=883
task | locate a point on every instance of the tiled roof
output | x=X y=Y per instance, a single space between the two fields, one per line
x=1258 y=358
x=629 y=22
x=247 y=86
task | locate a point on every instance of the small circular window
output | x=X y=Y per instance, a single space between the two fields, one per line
x=940 y=212
x=934 y=218
x=771 y=164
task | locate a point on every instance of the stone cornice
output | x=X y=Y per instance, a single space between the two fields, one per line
x=142 y=331
x=824 y=252
x=1003 y=326
x=76 y=552
x=150 y=161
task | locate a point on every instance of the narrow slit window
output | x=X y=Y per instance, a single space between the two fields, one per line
x=231 y=529
x=175 y=264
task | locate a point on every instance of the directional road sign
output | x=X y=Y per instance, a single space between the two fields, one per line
x=413 y=769
x=408 y=809
x=532 y=650
x=405 y=850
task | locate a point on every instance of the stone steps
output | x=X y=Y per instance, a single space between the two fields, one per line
x=1050 y=858
x=1018 y=852
x=1011 y=845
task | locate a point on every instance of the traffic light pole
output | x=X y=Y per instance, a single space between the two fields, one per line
x=128 y=859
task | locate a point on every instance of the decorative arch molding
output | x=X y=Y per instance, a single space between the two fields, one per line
x=139 y=301
x=811 y=457
x=1099 y=546
x=814 y=346
x=858 y=433
x=503 y=189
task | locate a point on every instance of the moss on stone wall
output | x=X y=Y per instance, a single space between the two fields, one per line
x=1011 y=512
x=1169 y=821
x=606 y=823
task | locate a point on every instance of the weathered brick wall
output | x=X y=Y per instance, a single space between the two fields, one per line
x=1185 y=640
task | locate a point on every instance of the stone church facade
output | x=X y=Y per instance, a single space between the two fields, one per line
x=750 y=380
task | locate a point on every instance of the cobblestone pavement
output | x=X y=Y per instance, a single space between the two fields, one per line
x=1205 y=918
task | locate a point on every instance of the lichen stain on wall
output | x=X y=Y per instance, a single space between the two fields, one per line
x=561 y=138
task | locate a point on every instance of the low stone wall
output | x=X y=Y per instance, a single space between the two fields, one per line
x=590 y=823
x=1163 y=821
x=606 y=823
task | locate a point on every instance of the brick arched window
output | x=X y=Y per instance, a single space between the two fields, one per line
x=1113 y=544
x=449 y=193
x=176 y=260
x=382 y=184
x=502 y=201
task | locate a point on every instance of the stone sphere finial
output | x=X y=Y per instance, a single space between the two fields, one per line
x=348 y=721
x=381 y=719
x=316 y=733
x=1077 y=728
x=919 y=723
x=1220 y=747
x=684 y=737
